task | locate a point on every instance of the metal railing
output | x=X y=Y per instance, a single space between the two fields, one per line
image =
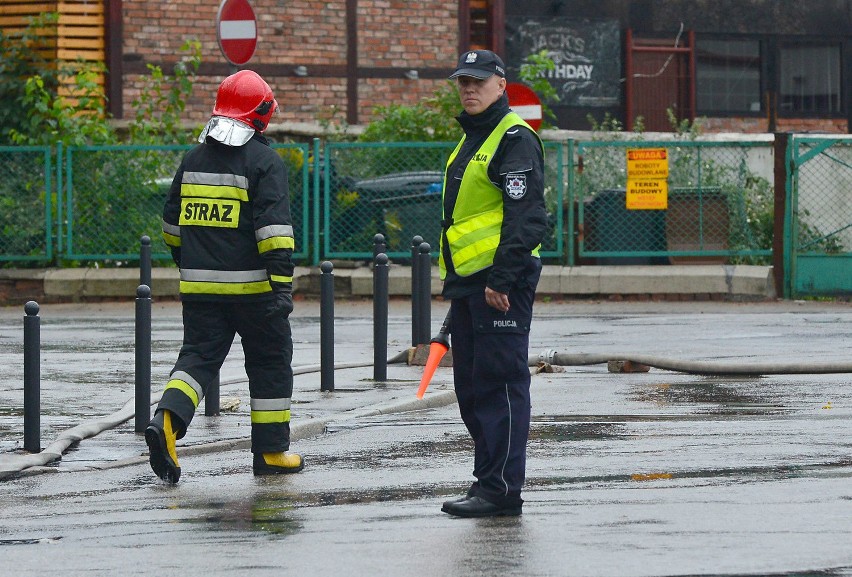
x=93 y=203
x=712 y=189
x=27 y=201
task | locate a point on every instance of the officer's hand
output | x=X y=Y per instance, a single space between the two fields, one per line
x=282 y=301
x=499 y=301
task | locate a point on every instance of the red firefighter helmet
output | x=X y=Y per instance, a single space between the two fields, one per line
x=246 y=97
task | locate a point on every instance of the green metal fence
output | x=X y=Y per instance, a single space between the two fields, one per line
x=27 y=198
x=713 y=192
x=394 y=189
x=818 y=225
x=114 y=194
x=342 y=194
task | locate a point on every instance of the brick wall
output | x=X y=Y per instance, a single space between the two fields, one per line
x=393 y=36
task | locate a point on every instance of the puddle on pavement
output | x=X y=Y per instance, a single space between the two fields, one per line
x=33 y=541
x=369 y=458
x=837 y=469
x=277 y=513
x=574 y=431
x=714 y=395
x=269 y=514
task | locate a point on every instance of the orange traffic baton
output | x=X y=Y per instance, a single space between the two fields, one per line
x=438 y=347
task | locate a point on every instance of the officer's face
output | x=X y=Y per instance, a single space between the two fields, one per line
x=476 y=95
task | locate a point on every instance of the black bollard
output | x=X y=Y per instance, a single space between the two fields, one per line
x=379 y=245
x=32 y=378
x=415 y=289
x=145 y=261
x=327 y=327
x=380 y=318
x=211 y=398
x=425 y=294
x=143 y=358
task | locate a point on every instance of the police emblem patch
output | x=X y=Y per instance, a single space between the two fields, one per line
x=516 y=185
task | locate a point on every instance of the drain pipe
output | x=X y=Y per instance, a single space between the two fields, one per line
x=551 y=357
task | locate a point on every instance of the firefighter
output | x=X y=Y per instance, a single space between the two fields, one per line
x=494 y=220
x=227 y=223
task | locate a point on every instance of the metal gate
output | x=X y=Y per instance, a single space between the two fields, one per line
x=818 y=223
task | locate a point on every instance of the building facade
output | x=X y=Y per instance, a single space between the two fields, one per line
x=735 y=65
x=741 y=66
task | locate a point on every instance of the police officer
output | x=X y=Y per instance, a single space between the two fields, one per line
x=227 y=222
x=494 y=220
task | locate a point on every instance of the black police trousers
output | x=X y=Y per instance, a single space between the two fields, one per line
x=492 y=383
x=209 y=331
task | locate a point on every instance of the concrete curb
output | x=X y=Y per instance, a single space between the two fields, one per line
x=701 y=281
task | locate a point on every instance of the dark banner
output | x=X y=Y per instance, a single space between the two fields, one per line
x=587 y=54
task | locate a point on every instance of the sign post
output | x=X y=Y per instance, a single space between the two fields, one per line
x=236 y=31
x=525 y=103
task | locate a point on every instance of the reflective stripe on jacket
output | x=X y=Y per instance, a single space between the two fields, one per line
x=474 y=227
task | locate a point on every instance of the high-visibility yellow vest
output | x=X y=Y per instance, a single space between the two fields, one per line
x=477 y=217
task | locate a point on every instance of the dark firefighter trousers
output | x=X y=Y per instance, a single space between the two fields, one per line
x=209 y=331
x=492 y=383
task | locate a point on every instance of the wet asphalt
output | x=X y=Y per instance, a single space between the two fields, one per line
x=649 y=473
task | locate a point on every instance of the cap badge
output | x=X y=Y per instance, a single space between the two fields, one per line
x=471 y=58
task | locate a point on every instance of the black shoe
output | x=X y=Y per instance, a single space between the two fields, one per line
x=451 y=502
x=479 y=507
x=277 y=463
x=160 y=437
x=457 y=500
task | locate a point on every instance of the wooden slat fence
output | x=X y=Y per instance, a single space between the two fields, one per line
x=79 y=35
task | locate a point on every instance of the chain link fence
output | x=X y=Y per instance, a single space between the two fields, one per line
x=394 y=189
x=342 y=194
x=820 y=228
x=27 y=198
x=720 y=199
x=115 y=194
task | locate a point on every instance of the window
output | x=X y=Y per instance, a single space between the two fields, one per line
x=727 y=76
x=480 y=29
x=809 y=79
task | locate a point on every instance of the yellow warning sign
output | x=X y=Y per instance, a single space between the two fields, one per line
x=647 y=163
x=647 y=194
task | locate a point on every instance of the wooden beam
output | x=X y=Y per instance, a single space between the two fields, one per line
x=27 y=9
x=114 y=32
x=97 y=20
x=93 y=55
x=352 y=61
x=88 y=43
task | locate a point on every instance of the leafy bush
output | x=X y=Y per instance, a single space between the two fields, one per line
x=117 y=194
x=162 y=101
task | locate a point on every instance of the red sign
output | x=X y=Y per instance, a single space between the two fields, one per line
x=525 y=103
x=236 y=30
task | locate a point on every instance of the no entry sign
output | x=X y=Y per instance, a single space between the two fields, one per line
x=236 y=30
x=525 y=103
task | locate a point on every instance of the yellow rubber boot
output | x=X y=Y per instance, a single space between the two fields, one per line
x=160 y=437
x=277 y=463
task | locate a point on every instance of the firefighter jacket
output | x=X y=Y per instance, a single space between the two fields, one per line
x=494 y=217
x=227 y=221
